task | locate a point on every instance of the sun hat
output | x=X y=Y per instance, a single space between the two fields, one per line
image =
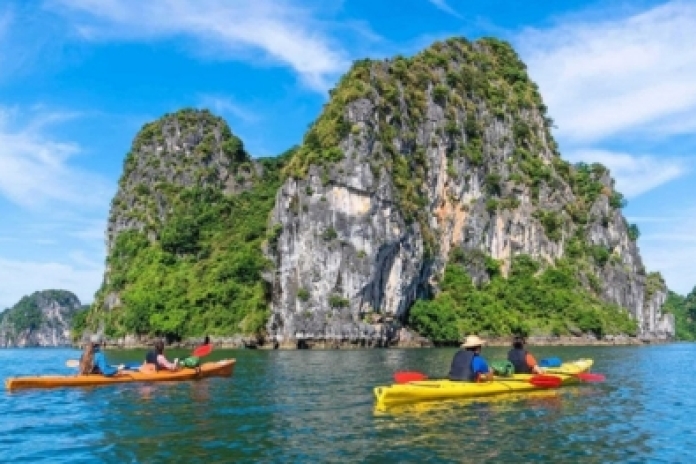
x=472 y=341
x=96 y=339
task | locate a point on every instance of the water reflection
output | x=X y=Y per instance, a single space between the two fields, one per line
x=317 y=406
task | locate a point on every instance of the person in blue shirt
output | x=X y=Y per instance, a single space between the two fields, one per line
x=468 y=364
x=93 y=360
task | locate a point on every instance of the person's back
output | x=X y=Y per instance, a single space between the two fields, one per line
x=98 y=363
x=523 y=361
x=161 y=362
x=518 y=358
x=467 y=364
x=87 y=360
x=461 y=366
x=150 y=364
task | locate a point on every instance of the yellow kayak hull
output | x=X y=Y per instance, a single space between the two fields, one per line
x=431 y=390
x=222 y=368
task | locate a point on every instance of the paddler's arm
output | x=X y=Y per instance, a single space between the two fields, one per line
x=532 y=363
x=481 y=369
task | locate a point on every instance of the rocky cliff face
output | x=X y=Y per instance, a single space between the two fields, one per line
x=413 y=158
x=413 y=161
x=182 y=150
x=184 y=234
x=41 y=319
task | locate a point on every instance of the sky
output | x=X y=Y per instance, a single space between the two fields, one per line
x=78 y=78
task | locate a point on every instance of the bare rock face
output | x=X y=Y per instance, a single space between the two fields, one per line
x=448 y=150
x=185 y=149
x=41 y=319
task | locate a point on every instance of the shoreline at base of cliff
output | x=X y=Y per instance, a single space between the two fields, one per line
x=239 y=343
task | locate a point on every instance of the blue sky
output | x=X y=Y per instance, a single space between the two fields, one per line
x=78 y=78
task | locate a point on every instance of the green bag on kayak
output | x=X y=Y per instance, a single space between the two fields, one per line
x=191 y=361
x=503 y=368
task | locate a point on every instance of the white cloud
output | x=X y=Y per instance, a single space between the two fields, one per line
x=282 y=32
x=670 y=246
x=22 y=278
x=442 y=5
x=225 y=105
x=35 y=169
x=634 y=175
x=617 y=76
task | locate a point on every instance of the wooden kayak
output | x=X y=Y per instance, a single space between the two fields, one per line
x=222 y=368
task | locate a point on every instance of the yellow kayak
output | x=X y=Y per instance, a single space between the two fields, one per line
x=571 y=367
x=430 y=390
x=222 y=368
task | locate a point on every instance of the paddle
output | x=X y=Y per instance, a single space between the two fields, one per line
x=74 y=363
x=203 y=350
x=545 y=381
x=590 y=377
x=409 y=376
x=539 y=380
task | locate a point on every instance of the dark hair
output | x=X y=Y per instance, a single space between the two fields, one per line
x=207 y=340
x=159 y=346
x=87 y=359
x=518 y=342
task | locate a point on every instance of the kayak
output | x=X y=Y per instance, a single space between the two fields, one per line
x=431 y=390
x=571 y=367
x=222 y=368
x=540 y=396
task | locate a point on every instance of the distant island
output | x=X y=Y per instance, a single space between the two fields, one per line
x=43 y=318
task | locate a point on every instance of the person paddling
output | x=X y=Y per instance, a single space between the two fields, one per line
x=155 y=359
x=468 y=364
x=93 y=360
x=522 y=359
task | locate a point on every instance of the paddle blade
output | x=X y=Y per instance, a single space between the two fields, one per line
x=72 y=363
x=590 y=377
x=545 y=381
x=406 y=376
x=203 y=350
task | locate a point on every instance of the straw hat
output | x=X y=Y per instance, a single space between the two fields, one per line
x=472 y=341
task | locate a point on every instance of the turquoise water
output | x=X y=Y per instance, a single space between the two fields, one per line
x=317 y=406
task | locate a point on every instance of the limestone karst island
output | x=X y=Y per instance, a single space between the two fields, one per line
x=287 y=231
x=427 y=201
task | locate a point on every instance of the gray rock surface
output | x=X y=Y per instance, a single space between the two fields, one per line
x=41 y=319
x=346 y=250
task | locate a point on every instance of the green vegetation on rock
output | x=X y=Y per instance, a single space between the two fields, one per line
x=203 y=274
x=684 y=310
x=189 y=222
x=531 y=300
x=27 y=314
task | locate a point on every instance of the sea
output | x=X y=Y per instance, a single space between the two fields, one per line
x=317 y=406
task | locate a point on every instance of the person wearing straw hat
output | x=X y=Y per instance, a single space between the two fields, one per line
x=468 y=364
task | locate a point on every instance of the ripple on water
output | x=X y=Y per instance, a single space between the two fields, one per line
x=317 y=406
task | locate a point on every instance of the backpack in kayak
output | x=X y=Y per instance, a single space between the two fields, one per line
x=550 y=362
x=191 y=361
x=503 y=368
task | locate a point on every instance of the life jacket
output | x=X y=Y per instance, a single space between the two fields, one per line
x=461 y=366
x=518 y=358
x=151 y=358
